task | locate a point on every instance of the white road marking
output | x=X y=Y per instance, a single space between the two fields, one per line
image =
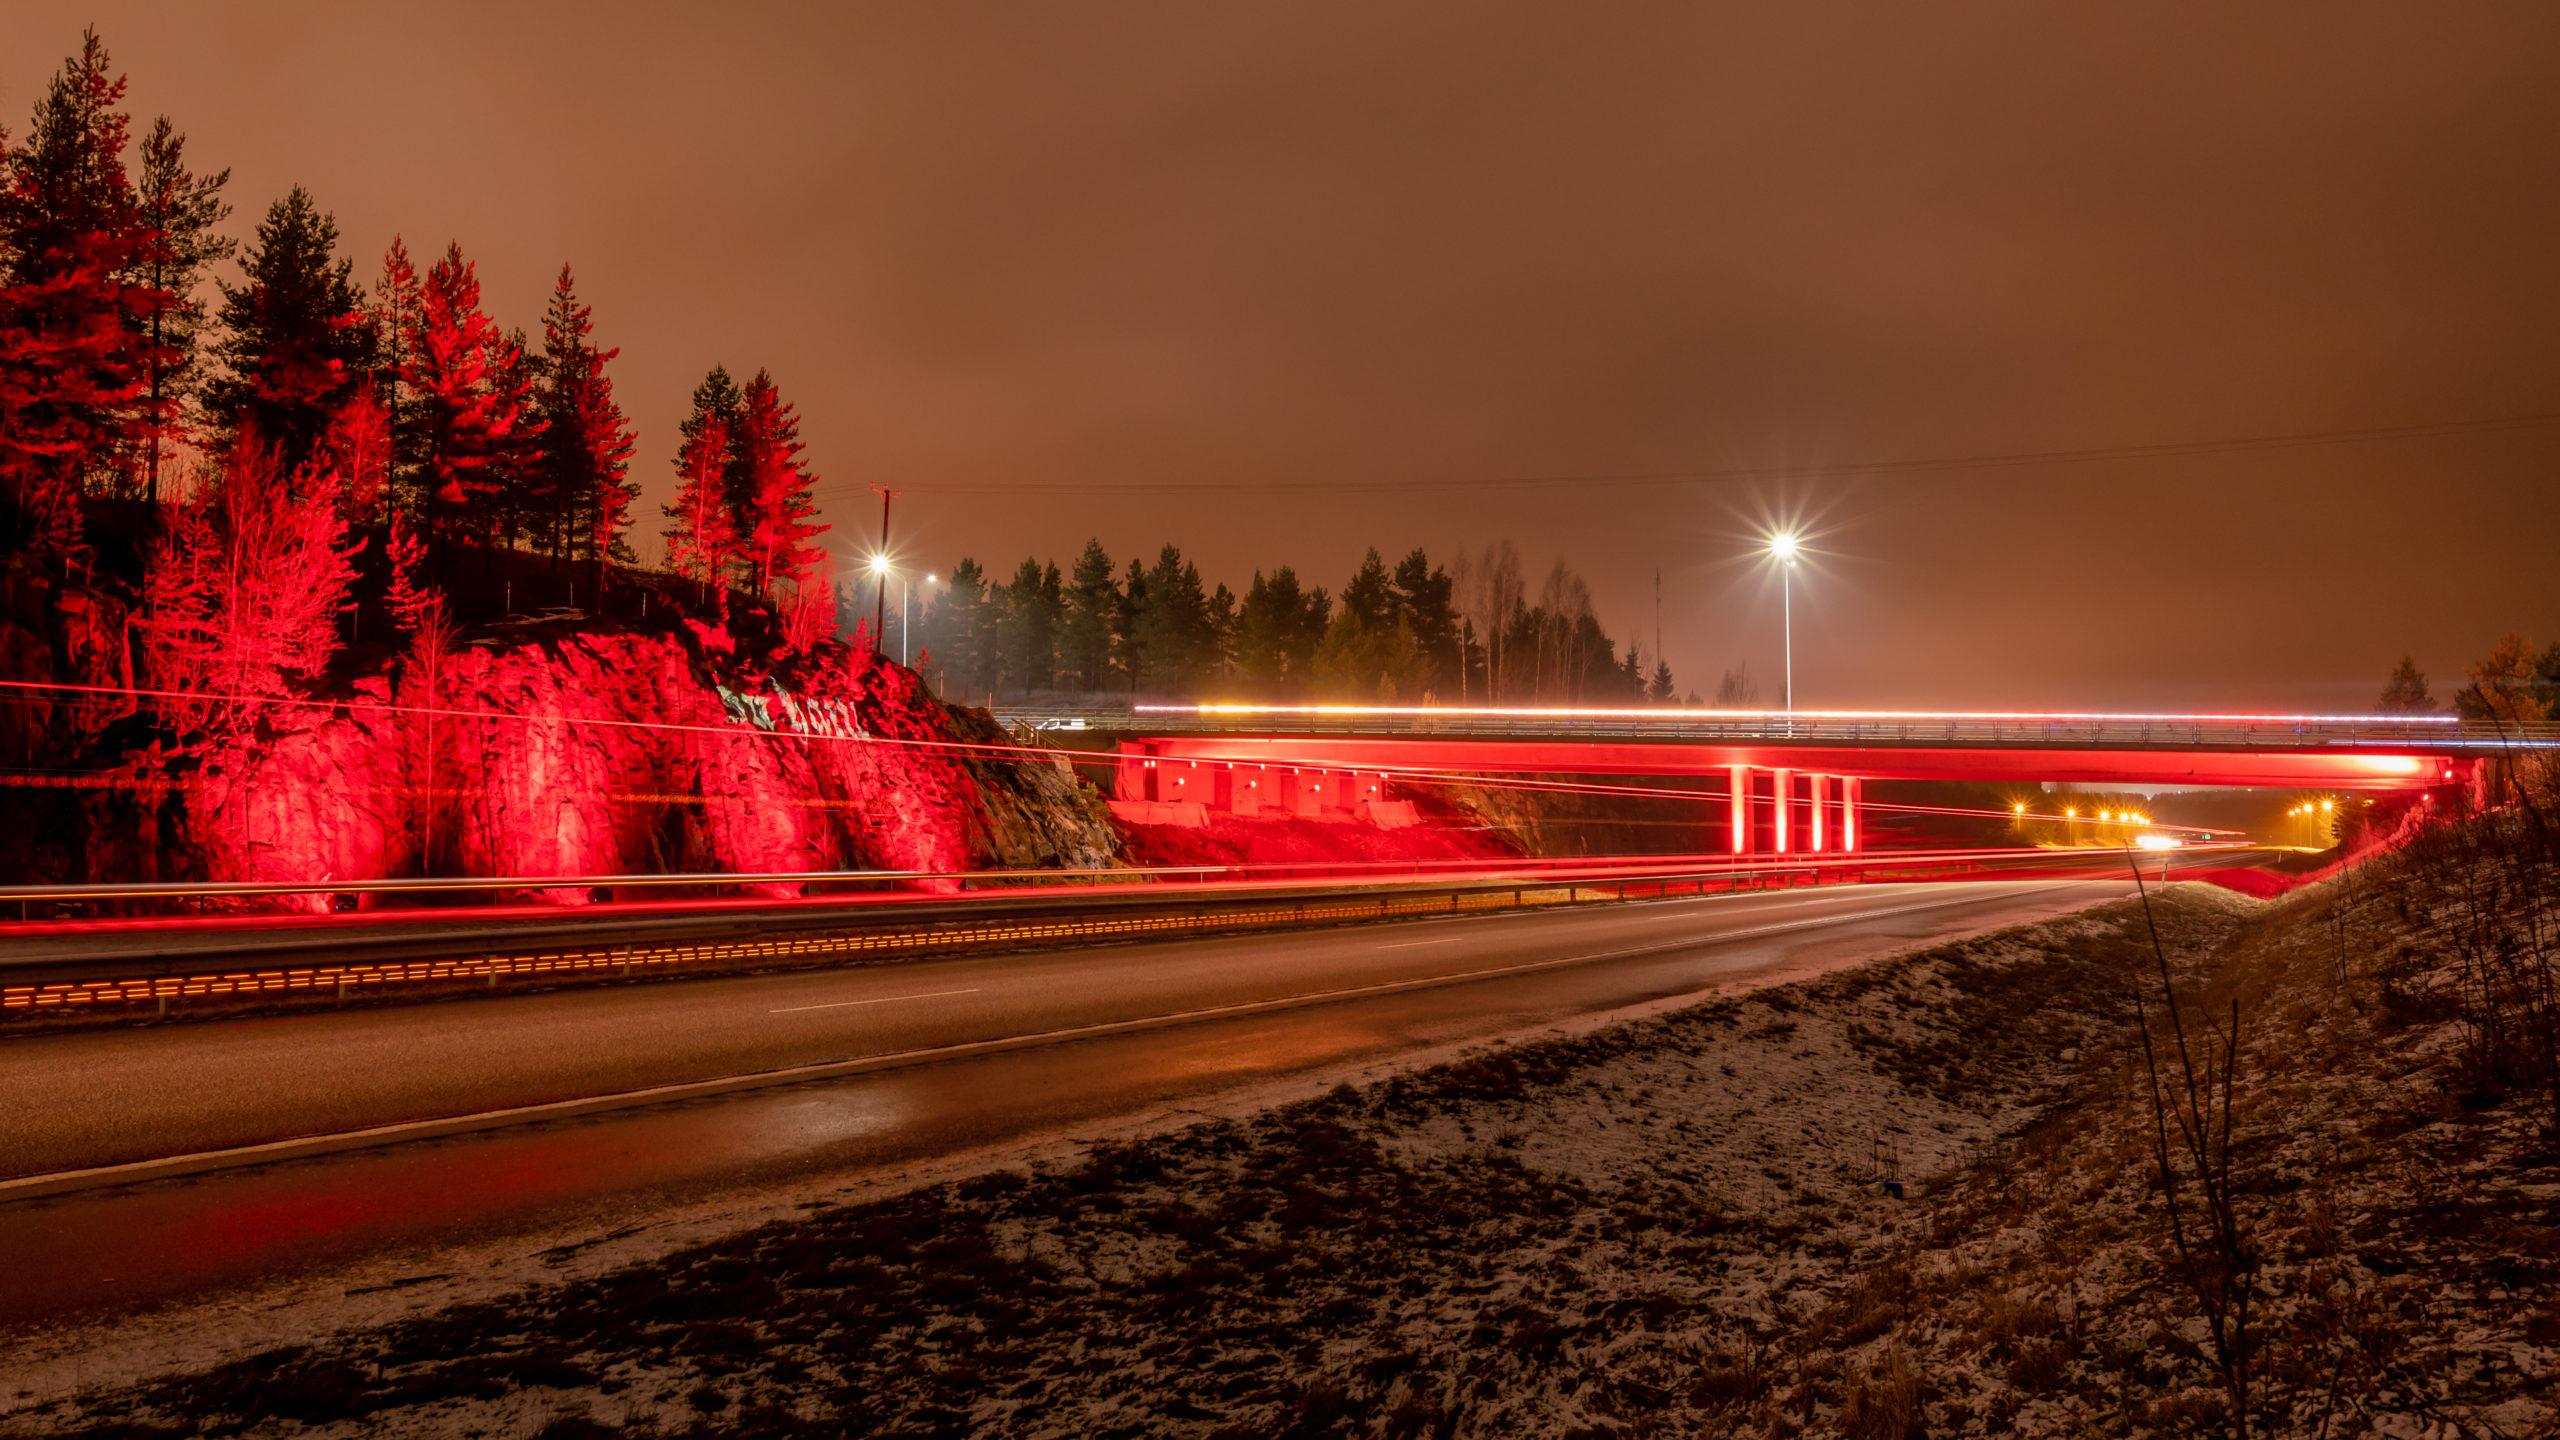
x=876 y=1000
x=136 y=1171
x=1409 y=944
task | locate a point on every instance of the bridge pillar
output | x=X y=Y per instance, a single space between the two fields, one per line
x=1134 y=777
x=1244 y=787
x=1288 y=787
x=1847 y=837
x=1183 y=780
x=1782 y=798
x=1817 y=802
x=1740 y=819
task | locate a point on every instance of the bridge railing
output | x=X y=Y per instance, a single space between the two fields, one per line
x=2245 y=732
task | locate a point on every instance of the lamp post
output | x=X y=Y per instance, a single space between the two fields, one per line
x=1782 y=548
x=879 y=614
x=903 y=629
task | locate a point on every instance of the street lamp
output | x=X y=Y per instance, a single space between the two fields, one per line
x=879 y=612
x=903 y=628
x=1782 y=548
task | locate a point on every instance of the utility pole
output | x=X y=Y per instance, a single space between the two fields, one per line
x=880 y=608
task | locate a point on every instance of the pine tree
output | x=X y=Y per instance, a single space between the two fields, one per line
x=295 y=342
x=1355 y=660
x=1370 y=597
x=774 y=523
x=1129 y=631
x=1277 y=628
x=587 y=442
x=178 y=211
x=75 y=349
x=718 y=398
x=521 y=507
x=1425 y=600
x=1027 y=628
x=1172 y=632
x=472 y=394
x=1661 y=691
x=1084 y=634
x=391 y=331
x=1218 y=658
x=1262 y=623
x=962 y=632
x=702 y=540
x=2407 y=694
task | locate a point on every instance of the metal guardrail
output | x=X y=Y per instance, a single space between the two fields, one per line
x=287 y=964
x=891 y=886
x=2207 y=732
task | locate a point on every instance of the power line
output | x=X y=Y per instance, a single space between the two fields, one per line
x=1731 y=475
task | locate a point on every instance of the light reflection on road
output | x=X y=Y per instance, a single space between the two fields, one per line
x=96 y=1254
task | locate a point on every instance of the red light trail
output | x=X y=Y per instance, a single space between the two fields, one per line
x=1406 y=775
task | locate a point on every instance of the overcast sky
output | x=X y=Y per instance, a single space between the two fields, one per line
x=1310 y=269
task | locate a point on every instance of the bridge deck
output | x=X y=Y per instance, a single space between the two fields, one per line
x=2344 y=752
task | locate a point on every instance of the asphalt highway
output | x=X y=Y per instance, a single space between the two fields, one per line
x=543 y=1114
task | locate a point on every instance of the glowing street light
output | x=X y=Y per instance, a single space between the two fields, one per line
x=1782 y=548
x=881 y=569
x=903 y=628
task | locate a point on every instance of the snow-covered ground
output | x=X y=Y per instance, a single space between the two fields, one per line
x=1676 y=1225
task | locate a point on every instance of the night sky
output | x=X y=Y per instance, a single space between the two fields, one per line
x=1277 y=282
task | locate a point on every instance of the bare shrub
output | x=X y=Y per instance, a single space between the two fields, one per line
x=1883 y=1401
x=2191 y=1150
x=2488 y=888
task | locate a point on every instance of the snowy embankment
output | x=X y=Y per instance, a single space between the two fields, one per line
x=1670 y=1226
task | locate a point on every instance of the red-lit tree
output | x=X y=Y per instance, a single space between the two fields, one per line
x=357 y=445
x=807 y=607
x=702 y=542
x=75 y=348
x=244 y=588
x=587 y=442
x=470 y=392
x=419 y=612
x=774 y=525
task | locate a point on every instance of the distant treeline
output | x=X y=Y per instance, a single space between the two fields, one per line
x=1472 y=631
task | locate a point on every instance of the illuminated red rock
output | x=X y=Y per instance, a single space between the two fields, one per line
x=552 y=753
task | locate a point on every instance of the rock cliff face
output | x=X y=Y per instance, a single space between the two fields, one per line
x=548 y=753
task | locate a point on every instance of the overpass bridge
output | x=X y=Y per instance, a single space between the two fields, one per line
x=1792 y=782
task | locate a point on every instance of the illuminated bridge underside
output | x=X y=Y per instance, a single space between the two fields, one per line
x=2131 y=767
x=1782 y=798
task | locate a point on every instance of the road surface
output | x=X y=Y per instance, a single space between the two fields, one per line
x=853 y=1072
